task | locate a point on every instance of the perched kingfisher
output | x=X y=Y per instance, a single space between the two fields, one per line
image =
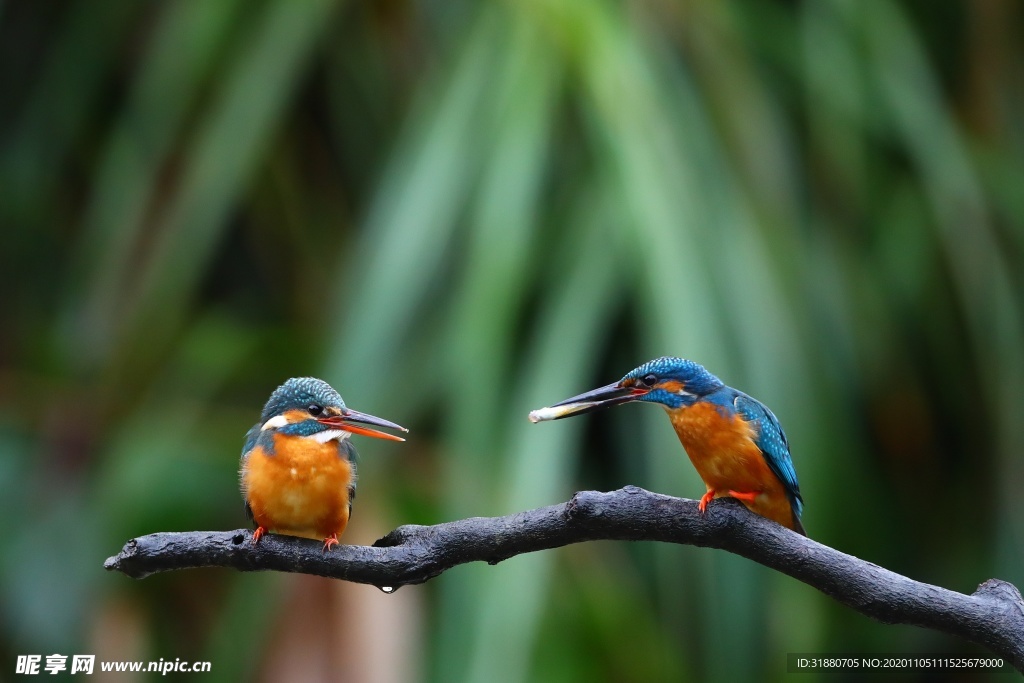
x=734 y=441
x=298 y=470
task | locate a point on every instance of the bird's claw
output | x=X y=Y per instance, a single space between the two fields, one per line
x=748 y=496
x=330 y=541
x=258 y=534
x=705 y=499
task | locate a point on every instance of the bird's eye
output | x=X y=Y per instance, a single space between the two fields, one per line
x=315 y=409
x=649 y=379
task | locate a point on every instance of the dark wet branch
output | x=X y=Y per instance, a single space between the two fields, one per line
x=992 y=616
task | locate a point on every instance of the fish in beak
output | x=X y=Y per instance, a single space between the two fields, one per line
x=598 y=399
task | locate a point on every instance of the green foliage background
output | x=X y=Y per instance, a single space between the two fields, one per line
x=459 y=211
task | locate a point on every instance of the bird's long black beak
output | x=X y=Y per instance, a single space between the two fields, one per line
x=604 y=397
x=348 y=416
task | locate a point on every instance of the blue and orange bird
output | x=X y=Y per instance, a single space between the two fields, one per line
x=298 y=470
x=734 y=441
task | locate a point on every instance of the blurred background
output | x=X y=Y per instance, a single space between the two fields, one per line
x=455 y=212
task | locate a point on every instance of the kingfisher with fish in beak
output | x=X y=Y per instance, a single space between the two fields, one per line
x=733 y=440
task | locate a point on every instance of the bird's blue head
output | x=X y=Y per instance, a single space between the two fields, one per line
x=310 y=407
x=302 y=393
x=672 y=382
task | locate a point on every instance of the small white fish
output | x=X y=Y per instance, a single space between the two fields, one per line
x=545 y=414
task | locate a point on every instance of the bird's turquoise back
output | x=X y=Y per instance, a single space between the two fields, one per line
x=773 y=444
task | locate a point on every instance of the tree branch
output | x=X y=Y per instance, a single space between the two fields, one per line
x=993 y=616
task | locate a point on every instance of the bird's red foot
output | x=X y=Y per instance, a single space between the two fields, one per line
x=705 y=499
x=749 y=496
x=258 y=534
x=330 y=541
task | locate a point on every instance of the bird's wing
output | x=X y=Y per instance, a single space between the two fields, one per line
x=249 y=515
x=348 y=451
x=773 y=444
x=251 y=437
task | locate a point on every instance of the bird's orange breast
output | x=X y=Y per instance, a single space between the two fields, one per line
x=722 y=449
x=301 y=490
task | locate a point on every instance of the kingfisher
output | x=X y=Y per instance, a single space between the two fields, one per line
x=298 y=469
x=733 y=440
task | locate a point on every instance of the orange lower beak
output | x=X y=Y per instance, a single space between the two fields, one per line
x=346 y=419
